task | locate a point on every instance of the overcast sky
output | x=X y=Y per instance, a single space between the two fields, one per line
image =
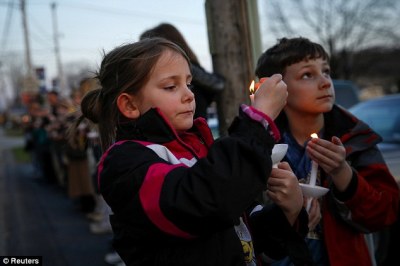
x=87 y=27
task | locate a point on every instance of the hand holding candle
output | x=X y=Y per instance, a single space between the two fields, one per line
x=254 y=87
x=314 y=167
x=313 y=175
x=271 y=95
x=311 y=190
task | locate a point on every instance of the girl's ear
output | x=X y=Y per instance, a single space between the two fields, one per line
x=127 y=106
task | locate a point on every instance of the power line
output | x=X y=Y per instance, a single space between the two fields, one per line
x=38 y=30
x=125 y=12
x=38 y=26
x=119 y=12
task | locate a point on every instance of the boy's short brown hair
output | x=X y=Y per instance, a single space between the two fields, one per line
x=287 y=52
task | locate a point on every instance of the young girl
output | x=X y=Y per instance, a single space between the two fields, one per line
x=206 y=85
x=363 y=194
x=178 y=197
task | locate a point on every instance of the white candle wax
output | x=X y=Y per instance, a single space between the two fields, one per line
x=313 y=179
x=313 y=175
x=252 y=99
x=309 y=200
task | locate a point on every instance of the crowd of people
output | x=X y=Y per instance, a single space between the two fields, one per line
x=135 y=154
x=68 y=160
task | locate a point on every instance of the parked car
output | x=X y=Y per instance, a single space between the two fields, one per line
x=383 y=115
x=347 y=93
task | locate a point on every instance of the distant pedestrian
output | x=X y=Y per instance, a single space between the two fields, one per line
x=80 y=182
x=39 y=143
x=58 y=107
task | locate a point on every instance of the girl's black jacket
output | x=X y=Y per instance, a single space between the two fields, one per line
x=177 y=198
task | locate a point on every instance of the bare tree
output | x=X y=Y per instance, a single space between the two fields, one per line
x=13 y=65
x=74 y=72
x=341 y=26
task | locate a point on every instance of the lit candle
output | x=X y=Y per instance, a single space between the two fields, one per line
x=313 y=175
x=254 y=87
x=314 y=167
x=252 y=91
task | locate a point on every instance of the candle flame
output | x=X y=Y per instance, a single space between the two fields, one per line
x=251 y=88
x=314 y=135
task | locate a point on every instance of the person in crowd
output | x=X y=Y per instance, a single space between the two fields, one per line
x=58 y=107
x=38 y=142
x=80 y=183
x=53 y=99
x=177 y=196
x=206 y=85
x=363 y=195
x=100 y=217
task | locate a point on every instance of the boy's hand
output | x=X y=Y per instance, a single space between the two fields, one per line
x=270 y=97
x=331 y=156
x=314 y=214
x=284 y=190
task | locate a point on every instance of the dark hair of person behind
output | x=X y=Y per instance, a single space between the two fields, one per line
x=171 y=33
x=287 y=52
x=126 y=69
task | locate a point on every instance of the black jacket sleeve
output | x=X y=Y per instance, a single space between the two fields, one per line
x=274 y=236
x=220 y=187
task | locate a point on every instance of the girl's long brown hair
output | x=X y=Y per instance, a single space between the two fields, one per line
x=126 y=69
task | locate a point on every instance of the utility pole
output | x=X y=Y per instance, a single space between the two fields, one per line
x=254 y=27
x=61 y=79
x=30 y=83
x=232 y=35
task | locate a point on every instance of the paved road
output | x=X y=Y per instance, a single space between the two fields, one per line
x=38 y=219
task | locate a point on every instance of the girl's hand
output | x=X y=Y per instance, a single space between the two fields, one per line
x=284 y=190
x=270 y=97
x=314 y=214
x=331 y=157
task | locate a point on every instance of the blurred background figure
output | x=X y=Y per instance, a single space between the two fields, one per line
x=100 y=216
x=58 y=109
x=206 y=85
x=37 y=141
x=80 y=184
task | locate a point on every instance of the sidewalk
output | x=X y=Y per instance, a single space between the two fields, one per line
x=38 y=219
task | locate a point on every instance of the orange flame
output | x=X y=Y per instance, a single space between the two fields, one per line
x=314 y=135
x=251 y=88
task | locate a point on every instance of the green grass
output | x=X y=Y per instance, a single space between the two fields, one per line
x=20 y=155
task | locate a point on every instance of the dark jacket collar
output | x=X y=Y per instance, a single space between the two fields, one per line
x=154 y=127
x=341 y=123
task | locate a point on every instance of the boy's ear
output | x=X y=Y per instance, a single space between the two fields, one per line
x=127 y=106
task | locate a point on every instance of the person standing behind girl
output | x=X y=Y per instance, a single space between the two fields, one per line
x=80 y=185
x=363 y=195
x=206 y=85
x=178 y=197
